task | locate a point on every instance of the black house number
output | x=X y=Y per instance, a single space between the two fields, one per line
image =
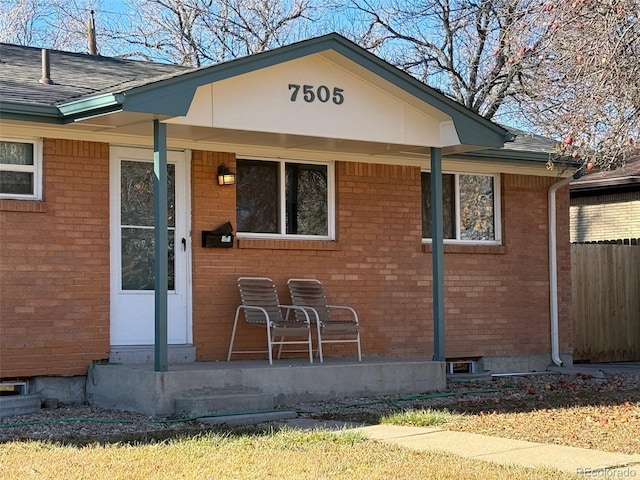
x=310 y=93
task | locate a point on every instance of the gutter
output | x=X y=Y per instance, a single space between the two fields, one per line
x=29 y=112
x=518 y=155
x=553 y=265
x=92 y=106
x=64 y=113
x=605 y=183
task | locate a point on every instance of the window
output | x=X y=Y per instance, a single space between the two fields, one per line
x=278 y=198
x=470 y=208
x=20 y=166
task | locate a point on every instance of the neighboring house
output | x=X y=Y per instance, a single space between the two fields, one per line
x=332 y=148
x=606 y=205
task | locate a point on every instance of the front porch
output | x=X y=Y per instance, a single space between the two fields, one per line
x=202 y=388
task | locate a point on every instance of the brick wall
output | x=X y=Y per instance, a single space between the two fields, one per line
x=605 y=217
x=54 y=266
x=497 y=302
x=497 y=298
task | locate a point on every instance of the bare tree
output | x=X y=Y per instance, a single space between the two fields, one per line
x=567 y=69
x=200 y=32
x=188 y=32
x=461 y=47
x=584 y=83
x=45 y=23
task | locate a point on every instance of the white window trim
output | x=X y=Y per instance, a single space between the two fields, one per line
x=497 y=211
x=283 y=219
x=36 y=169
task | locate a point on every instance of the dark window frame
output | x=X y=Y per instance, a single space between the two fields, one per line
x=278 y=221
x=452 y=229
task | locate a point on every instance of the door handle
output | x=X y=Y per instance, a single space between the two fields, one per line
x=184 y=244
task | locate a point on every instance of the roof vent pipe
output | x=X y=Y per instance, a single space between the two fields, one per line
x=91 y=35
x=46 y=68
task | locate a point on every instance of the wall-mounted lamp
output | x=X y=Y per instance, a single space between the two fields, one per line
x=226 y=176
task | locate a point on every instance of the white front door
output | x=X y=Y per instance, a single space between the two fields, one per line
x=132 y=248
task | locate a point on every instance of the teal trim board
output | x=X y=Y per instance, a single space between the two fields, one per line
x=29 y=113
x=108 y=102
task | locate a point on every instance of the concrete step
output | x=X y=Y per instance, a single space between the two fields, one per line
x=19 y=404
x=225 y=403
x=250 y=418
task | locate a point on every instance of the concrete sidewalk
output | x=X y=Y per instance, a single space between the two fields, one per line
x=507 y=451
x=591 y=463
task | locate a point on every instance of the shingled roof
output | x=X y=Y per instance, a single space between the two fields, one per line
x=74 y=75
x=624 y=177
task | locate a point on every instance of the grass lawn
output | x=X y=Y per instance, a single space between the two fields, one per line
x=579 y=411
x=284 y=454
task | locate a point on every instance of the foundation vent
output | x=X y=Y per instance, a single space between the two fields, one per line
x=462 y=365
x=9 y=389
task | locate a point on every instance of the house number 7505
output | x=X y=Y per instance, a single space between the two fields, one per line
x=323 y=94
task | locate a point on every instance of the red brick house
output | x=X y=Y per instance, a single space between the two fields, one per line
x=77 y=219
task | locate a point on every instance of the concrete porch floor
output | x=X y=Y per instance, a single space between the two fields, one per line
x=202 y=388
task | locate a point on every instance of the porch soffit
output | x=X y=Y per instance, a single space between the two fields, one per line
x=139 y=133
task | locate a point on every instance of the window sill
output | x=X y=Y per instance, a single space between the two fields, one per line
x=272 y=244
x=469 y=249
x=26 y=206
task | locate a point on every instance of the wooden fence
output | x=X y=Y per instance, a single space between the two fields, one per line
x=606 y=302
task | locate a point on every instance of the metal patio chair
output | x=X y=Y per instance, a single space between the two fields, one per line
x=309 y=293
x=261 y=307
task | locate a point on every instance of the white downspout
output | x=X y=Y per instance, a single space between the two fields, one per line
x=553 y=266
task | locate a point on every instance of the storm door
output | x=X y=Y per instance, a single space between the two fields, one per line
x=132 y=248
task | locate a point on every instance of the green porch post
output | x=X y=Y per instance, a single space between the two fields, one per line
x=437 y=254
x=160 y=212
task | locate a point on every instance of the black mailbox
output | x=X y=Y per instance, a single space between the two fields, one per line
x=221 y=237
